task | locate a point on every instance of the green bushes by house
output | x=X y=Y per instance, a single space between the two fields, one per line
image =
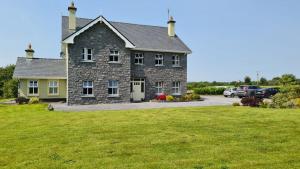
x=209 y=90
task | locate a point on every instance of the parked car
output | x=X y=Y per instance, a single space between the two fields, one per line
x=266 y=92
x=230 y=92
x=247 y=90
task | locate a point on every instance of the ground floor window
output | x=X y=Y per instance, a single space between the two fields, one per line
x=113 y=88
x=159 y=87
x=176 y=88
x=88 y=88
x=53 y=87
x=33 y=87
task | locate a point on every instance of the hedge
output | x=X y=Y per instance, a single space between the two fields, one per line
x=209 y=91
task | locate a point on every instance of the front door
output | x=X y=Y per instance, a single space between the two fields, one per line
x=138 y=89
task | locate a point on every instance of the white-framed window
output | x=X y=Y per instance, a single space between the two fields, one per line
x=159 y=87
x=159 y=60
x=176 y=88
x=33 y=87
x=87 y=54
x=139 y=58
x=114 y=56
x=53 y=87
x=113 y=88
x=88 y=88
x=176 y=60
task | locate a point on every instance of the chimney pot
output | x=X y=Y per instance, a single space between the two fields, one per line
x=29 y=52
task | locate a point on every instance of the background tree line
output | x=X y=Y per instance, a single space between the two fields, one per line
x=8 y=86
x=276 y=81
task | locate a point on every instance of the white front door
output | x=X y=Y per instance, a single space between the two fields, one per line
x=138 y=89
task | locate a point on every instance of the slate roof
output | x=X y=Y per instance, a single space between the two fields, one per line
x=40 y=68
x=153 y=38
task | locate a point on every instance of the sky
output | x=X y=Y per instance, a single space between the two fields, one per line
x=229 y=38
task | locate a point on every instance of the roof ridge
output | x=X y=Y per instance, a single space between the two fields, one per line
x=123 y=22
x=44 y=58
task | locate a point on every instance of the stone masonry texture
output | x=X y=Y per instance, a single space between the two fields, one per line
x=101 y=39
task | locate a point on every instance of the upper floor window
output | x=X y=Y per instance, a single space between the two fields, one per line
x=176 y=60
x=114 y=56
x=159 y=87
x=113 y=88
x=139 y=58
x=159 y=60
x=87 y=54
x=33 y=87
x=53 y=87
x=176 y=88
x=88 y=88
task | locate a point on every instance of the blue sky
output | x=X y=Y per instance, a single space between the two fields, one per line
x=229 y=38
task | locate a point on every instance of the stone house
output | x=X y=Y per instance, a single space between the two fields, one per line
x=107 y=62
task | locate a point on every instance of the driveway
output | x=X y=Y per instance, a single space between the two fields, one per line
x=208 y=101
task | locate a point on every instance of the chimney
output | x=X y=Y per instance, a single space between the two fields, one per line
x=72 y=17
x=29 y=52
x=171 y=27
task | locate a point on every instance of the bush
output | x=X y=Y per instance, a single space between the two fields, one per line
x=236 y=104
x=286 y=98
x=170 y=98
x=297 y=102
x=251 y=101
x=196 y=96
x=22 y=100
x=209 y=91
x=10 y=89
x=34 y=100
x=264 y=104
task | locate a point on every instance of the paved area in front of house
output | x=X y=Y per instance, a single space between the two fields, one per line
x=208 y=101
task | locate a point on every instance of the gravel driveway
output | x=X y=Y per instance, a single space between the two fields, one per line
x=208 y=101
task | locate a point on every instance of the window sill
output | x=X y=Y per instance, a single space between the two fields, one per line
x=34 y=95
x=176 y=66
x=113 y=96
x=176 y=94
x=114 y=62
x=88 y=61
x=53 y=94
x=87 y=96
x=139 y=64
x=159 y=65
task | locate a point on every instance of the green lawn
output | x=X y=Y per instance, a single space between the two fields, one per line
x=188 y=138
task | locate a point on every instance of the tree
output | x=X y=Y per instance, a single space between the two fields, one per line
x=247 y=80
x=10 y=89
x=288 y=79
x=6 y=74
x=263 y=81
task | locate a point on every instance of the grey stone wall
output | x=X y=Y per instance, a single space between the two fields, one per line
x=167 y=73
x=101 y=39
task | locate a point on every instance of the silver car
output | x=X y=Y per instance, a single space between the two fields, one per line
x=230 y=92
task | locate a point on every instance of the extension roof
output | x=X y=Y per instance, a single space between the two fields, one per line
x=40 y=68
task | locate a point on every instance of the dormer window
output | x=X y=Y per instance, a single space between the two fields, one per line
x=114 y=56
x=87 y=54
x=159 y=60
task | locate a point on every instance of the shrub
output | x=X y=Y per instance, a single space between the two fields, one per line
x=209 y=91
x=170 y=98
x=297 y=102
x=10 y=89
x=264 y=104
x=34 y=100
x=196 y=96
x=236 y=104
x=22 y=100
x=251 y=101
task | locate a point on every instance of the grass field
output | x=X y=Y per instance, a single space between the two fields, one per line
x=187 y=138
